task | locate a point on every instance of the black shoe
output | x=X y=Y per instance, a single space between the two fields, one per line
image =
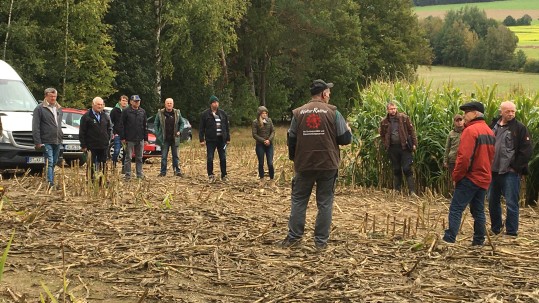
x=178 y=174
x=161 y=175
x=289 y=242
x=320 y=246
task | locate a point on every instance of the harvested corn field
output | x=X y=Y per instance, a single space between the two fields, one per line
x=177 y=239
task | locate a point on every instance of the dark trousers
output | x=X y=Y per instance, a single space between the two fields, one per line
x=401 y=162
x=211 y=146
x=262 y=150
x=302 y=186
x=99 y=157
x=466 y=192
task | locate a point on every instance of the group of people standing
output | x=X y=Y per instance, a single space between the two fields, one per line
x=490 y=161
x=483 y=160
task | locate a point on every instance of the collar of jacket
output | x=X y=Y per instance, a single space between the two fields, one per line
x=47 y=104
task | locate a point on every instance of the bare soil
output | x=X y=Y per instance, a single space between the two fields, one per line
x=177 y=239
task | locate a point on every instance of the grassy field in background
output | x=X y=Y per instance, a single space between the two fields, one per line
x=528 y=39
x=466 y=79
x=495 y=5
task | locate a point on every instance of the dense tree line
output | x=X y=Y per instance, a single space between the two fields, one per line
x=441 y=2
x=467 y=38
x=522 y=21
x=248 y=52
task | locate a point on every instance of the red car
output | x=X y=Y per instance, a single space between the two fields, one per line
x=72 y=117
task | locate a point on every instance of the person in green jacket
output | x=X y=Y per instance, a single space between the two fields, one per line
x=168 y=127
x=263 y=133
x=452 y=143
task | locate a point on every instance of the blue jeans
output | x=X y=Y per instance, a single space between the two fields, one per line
x=117 y=143
x=51 y=154
x=138 y=146
x=262 y=150
x=220 y=145
x=164 y=155
x=466 y=192
x=507 y=185
x=302 y=186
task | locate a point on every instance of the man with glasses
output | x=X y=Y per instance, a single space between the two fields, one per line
x=472 y=173
x=47 y=131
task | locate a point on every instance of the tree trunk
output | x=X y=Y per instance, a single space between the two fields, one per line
x=158 y=5
x=8 y=27
x=225 y=67
x=64 y=81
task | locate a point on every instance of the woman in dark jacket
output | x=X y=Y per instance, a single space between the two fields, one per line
x=263 y=133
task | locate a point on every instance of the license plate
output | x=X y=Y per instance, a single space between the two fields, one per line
x=158 y=148
x=35 y=160
x=72 y=147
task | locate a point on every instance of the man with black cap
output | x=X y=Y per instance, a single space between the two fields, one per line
x=316 y=131
x=513 y=151
x=214 y=132
x=399 y=139
x=472 y=173
x=134 y=133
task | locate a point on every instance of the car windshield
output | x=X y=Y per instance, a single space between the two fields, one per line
x=15 y=97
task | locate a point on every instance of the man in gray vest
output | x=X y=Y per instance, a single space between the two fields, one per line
x=316 y=131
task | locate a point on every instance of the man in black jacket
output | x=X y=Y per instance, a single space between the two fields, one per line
x=214 y=132
x=115 y=117
x=94 y=135
x=134 y=133
x=513 y=150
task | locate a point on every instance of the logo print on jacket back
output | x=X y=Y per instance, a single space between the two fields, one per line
x=313 y=121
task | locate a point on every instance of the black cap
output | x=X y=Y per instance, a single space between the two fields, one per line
x=474 y=105
x=319 y=86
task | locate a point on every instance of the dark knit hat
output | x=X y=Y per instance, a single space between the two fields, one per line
x=262 y=109
x=213 y=98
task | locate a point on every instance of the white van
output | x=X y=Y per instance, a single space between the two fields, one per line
x=16 y=142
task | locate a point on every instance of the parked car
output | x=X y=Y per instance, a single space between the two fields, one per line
x=72 y=116
x=186 y=134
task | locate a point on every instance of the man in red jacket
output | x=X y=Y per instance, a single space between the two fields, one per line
x=472 y=173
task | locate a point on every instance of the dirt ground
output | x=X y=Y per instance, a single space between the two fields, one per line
x=177 y=239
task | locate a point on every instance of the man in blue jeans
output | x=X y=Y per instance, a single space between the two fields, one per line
x=512 y=153
x=115 y=118
x=214 y=133
x=47 y=131
x=168 y=127
x=316 y=131
x=472 y=173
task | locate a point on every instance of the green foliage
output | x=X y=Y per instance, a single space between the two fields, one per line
x=469 y=39
x=4 y=256
x=431 y=112
x=509 y=21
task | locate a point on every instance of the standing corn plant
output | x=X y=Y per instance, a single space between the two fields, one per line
x=431 y=112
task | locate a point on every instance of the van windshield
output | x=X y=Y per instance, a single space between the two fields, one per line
x=15 y=97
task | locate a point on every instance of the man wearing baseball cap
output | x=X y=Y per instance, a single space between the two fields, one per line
x=316 y=131
x=214 y=133
x=134 y=135
x=472 y=173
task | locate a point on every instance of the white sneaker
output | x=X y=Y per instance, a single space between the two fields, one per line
x=211 y=179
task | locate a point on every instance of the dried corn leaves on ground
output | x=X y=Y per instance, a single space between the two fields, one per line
x=183 y=240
